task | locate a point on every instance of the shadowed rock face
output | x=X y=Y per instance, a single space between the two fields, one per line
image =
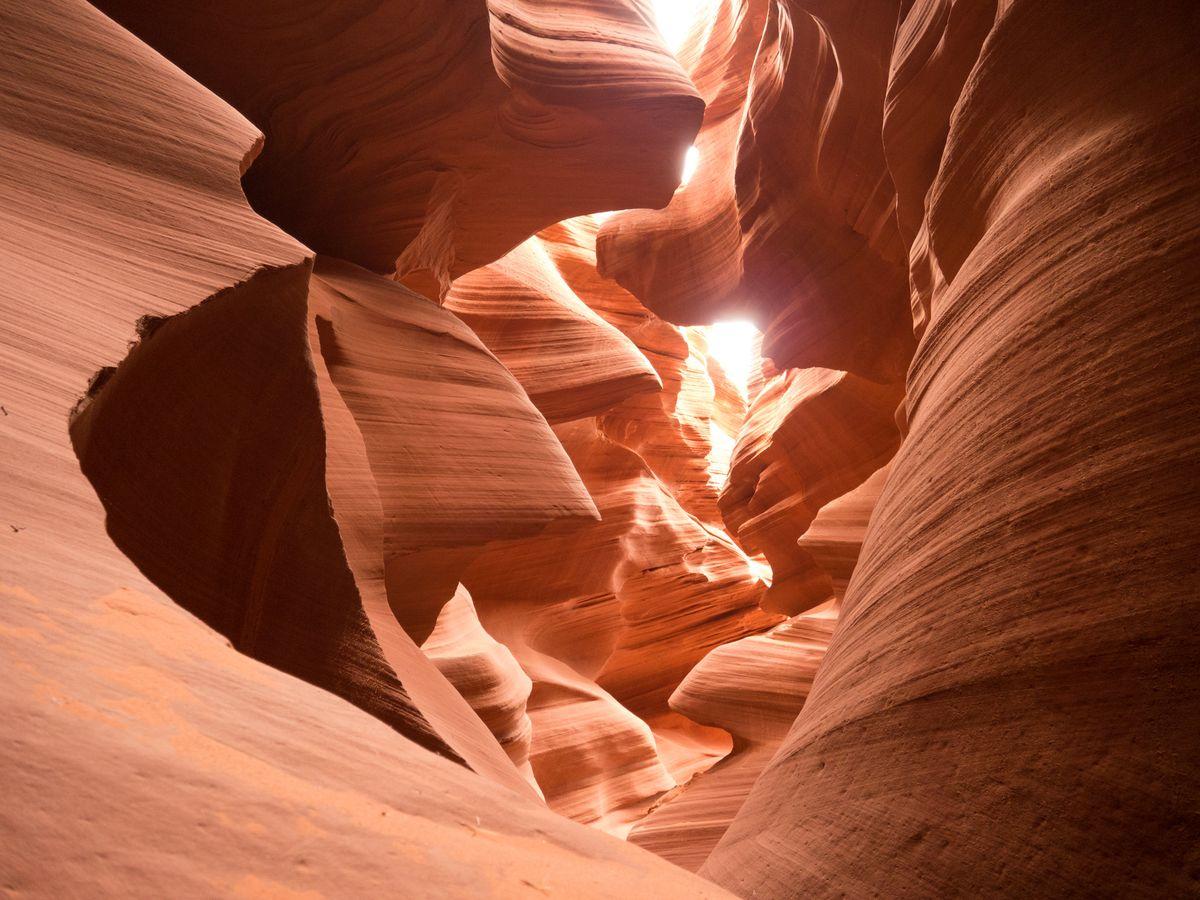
x=753 y=688
x=373 y=559
x=810 y=436
x=241 y=472
x=789 y=219
x=440 y=134
x=1011 y=690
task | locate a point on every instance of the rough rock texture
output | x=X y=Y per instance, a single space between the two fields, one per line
x=1012 y=689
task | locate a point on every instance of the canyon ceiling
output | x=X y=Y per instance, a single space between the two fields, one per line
x=377 y=516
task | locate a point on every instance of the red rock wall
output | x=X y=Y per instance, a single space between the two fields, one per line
x=1008 y=706
x=789 y=219
x=461 y=461
x=241 y=454
x=441 y=133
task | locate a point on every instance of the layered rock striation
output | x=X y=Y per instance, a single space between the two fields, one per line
x=1011 y=691
x=375 y=502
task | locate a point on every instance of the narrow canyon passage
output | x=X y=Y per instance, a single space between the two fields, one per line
x=689 y=448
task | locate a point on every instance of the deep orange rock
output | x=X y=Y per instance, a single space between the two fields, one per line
x=607 y=620
x=440 y=135
x=753 y=688
x=790 y=223
x=834 y=539
x=811 y=435
x=458 y=451
x=1011 y=691
x=487 y=675
x=968 y=232
x=671 y=430
x=233 y=778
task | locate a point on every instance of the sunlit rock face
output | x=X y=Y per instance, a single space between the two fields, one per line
x=789 y=218
x=382 y=492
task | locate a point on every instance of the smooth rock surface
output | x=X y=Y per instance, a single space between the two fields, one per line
x=1011 y=693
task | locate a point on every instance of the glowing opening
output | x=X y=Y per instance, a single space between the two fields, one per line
x=690 y=161
x=733 y=345
x=675 y=19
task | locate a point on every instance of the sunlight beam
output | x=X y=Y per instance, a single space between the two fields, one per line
x=732 y=344
x=675 y=19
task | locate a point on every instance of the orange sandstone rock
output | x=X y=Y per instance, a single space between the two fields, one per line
x=1011 y=692
x=571 y=362
x=811 y=435
x=753 y=688
x=436 y=136
x=789 y=219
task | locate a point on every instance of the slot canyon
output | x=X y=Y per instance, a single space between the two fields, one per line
x=599 y=448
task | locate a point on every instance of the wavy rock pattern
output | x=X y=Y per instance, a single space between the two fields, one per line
x=475 y=418
x=226 y=464
x=835 y=537
x=671 y=430
x=244 y=503
x=570 y=361
x=460 y=455
x=607 y=620
x=1009 y=693
x=793 y=223
x=753 y=688
x=810 y=436
x=487 y=675
x=440 y=136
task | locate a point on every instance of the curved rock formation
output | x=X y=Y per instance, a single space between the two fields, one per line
x=834 y=539
x=810 y=436
x=460 y=455
x=485 y=672
x=1011 y=691
x=753 y=688
x=679 y=589
x=464 y=421
x=792 y=224
x=570 y=361
x=607 y=620
x=671 y=430
x=209 y=441
x=143 y=756
x=595 y=761
x=439 y=135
